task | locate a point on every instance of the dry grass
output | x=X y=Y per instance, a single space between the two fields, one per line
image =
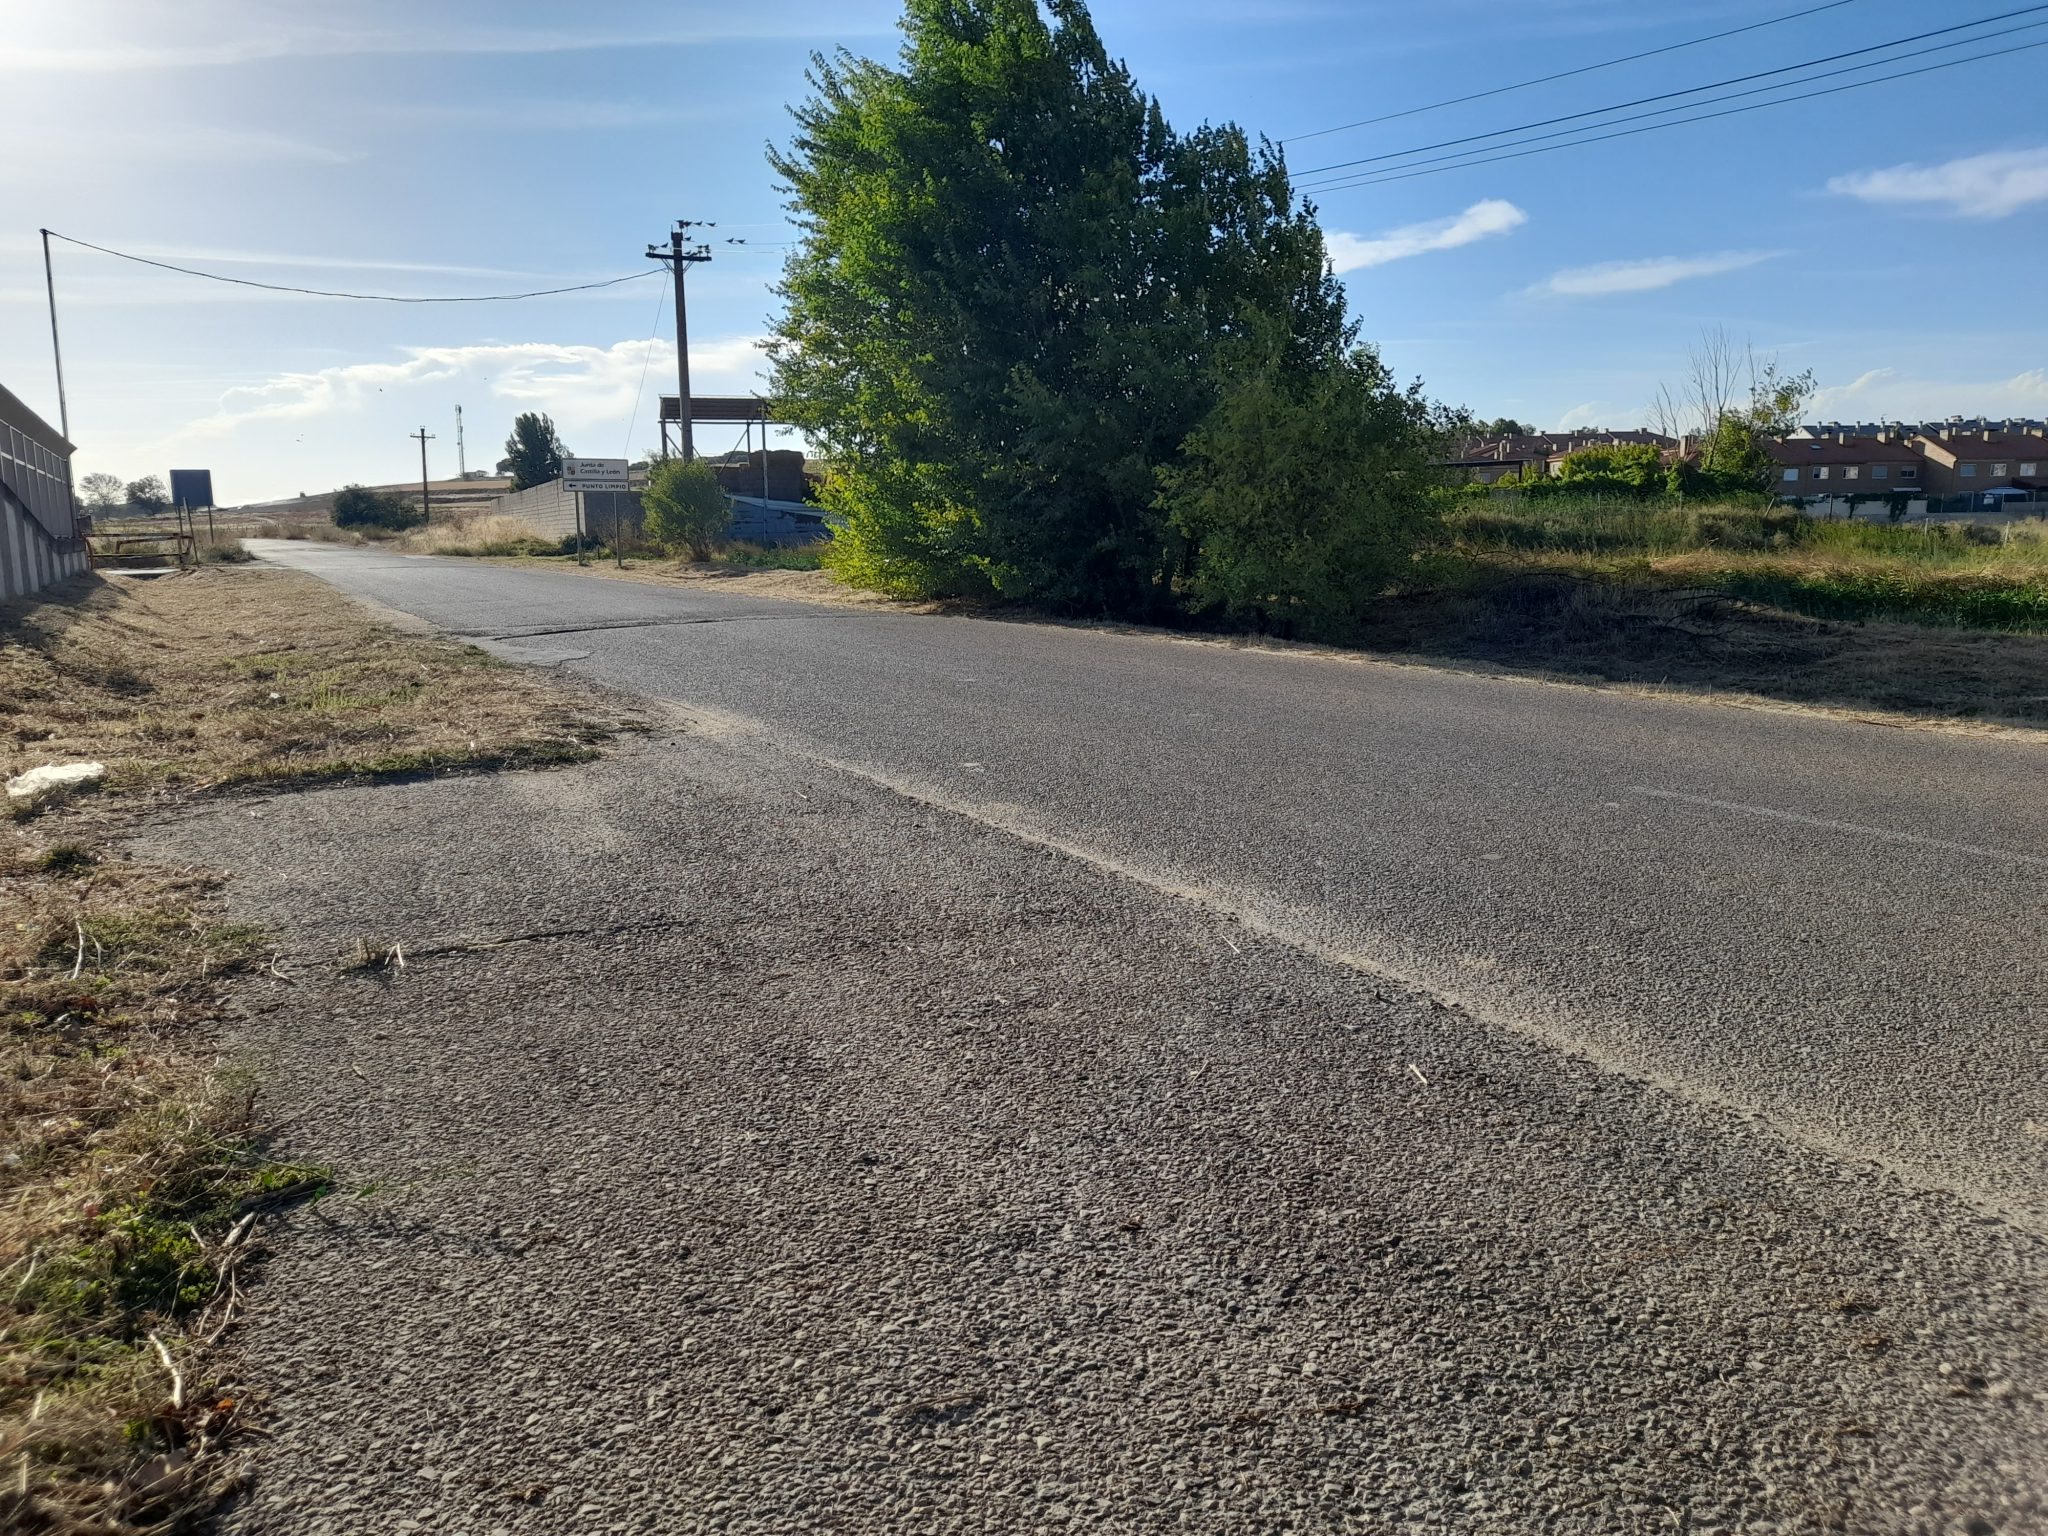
x=130 y=1191
x=133 y=1177
x=236 y=675
x=799 y=586
x=492 y=534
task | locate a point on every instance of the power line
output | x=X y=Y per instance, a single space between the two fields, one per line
x=647 y=357
x=1395 y=173
x=325 y=293
x=1583 y=69
x=1756 y=90
x=1643 y=101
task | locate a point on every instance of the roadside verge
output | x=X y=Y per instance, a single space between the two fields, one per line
x=137 y=1178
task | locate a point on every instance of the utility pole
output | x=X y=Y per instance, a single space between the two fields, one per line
x=461 y=458
x=679 y=259
x=57 y=351
x=426 y=496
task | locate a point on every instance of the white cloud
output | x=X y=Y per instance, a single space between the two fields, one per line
x=1644 y=276
x=113 y=36
x=1482 y=220
x=207 y=144
x=1589 y=414
x=1977 y=186
x=1888 y=394
x=579 y=385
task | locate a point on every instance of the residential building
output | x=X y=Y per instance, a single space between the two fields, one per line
x=1846 y=463
x=1487 y=460
x=1977 y=460
x=42 y=539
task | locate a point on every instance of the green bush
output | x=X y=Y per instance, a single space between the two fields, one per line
x=357 y=506
x=1304 y=497
x=685 y=508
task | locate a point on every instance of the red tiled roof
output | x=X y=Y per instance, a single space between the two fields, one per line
x=1791 y=451
x=1998 y=445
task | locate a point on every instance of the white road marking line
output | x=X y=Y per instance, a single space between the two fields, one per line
x=1881 y=833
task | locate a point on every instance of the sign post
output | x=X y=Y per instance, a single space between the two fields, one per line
x=580 y=475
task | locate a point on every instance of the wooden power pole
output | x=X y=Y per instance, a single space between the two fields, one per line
x=426 y=496
x=679 y=259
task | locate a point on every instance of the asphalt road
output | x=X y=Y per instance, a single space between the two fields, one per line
x=748 y=1148
x=1831 y=927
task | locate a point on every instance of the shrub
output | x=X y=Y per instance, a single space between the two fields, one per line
x=357 y=506
x=1304 y=499
x=685 y=508
x=1613 y=468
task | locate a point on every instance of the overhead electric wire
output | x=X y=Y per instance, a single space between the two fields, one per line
x=1755 y=90
x=1566 y=74
x=326 y=293
x=1643 y=101
x=1395 y=173
x=660 y=306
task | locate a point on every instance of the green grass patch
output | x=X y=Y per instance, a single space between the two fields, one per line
x=1968 y=575
x=774 y=557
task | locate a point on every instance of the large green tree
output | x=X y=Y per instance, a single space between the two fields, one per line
x=1010 y=302
x=534 y=451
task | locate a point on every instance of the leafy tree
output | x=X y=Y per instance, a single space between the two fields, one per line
x=1604 y=467
x=1502 y=426
x=357 y=506
x=534 y=451
x=684 y=507
x=149 y=493
x=1304 y=493
x=103 y=492
x=1004 y=318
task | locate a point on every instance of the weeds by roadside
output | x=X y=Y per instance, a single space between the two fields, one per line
x=131 y=1189
x=224 y=677
x=1964 y=574
x=134 y=1177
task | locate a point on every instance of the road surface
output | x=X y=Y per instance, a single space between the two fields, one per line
x=960 y=1076
x=1837 y=927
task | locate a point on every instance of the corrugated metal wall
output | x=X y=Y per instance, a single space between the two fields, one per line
x=551 y=511
x=29 y=558
x=39 y=538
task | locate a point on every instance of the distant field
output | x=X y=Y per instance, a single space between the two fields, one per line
x=1957 y=574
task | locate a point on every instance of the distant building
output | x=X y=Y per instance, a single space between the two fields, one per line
x=1848 y=463
x=42 y=539
x=1986 y=460
x=1529 y=455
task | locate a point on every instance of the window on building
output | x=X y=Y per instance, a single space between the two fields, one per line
x=2030 y=469
x=1790 y=474
x=1967 y=471
x=2000 y=471
x=1880 y=471
x=1820 y=471
x=1851 y=471
x=1909 y=471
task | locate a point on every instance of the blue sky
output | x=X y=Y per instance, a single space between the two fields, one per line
x=1891 y=239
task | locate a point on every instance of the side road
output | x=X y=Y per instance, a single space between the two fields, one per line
x=741 y=1146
